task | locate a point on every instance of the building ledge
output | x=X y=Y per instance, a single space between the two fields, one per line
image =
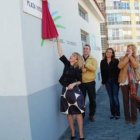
x=93 y=6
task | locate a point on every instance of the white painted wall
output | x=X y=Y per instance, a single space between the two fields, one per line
x=14 y=120
x=12 y=73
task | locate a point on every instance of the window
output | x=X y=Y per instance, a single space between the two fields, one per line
x=127 y=34
x=136 y=5
x=121 y=5
x=84 y=37
x=138 y=34
x=117 y=4
x=114 y=18
x=125 y=5
x=83 y=13
x=103 y=29
x=137 y=20
x=126 y=19
x=115 y=34
x=104 y=42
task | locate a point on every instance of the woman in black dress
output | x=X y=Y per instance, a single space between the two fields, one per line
x=72 y=100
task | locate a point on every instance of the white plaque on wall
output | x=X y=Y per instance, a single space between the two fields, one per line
x=32 y=7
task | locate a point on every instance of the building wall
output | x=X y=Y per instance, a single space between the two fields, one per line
x=12 y=79
x=14 y=118
x=30 y=90
x=103 y=27
x=127 y=22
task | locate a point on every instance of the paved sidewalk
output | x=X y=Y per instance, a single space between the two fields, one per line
x=103 y=128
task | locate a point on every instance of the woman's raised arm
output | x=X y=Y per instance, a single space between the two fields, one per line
x=59 y=48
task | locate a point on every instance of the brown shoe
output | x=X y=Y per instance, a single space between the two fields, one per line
x=133 y=122
x=127 y=122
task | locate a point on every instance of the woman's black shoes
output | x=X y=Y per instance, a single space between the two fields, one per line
x=138 y=137
x=112 y=117
x=72 y=137
x=117 y=117
x=91 y=118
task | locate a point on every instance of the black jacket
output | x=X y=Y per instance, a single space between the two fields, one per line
x=70 y=73
x=109 y=71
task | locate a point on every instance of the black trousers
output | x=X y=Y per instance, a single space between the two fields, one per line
x=89 y=88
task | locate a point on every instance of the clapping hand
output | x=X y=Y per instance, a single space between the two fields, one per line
x=129 y=52
x=83 y=68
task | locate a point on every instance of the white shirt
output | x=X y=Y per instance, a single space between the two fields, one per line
x=125 y=83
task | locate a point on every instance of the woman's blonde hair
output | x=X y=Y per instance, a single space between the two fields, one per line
x=134 y=49
x=80 y=61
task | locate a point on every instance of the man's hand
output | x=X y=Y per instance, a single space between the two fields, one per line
x=84 y=69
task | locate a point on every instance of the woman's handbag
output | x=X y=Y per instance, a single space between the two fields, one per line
x=137 y=99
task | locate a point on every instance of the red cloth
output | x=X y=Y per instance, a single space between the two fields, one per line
x=49 y=30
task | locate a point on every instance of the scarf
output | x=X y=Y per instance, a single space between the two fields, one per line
x=131 y=80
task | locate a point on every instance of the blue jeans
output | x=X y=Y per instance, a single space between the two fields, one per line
x=113 y=92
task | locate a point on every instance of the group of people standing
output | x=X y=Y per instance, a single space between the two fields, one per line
x=78 y=79
x=121 y=73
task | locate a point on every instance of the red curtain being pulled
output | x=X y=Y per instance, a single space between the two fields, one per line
x=49 y=30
